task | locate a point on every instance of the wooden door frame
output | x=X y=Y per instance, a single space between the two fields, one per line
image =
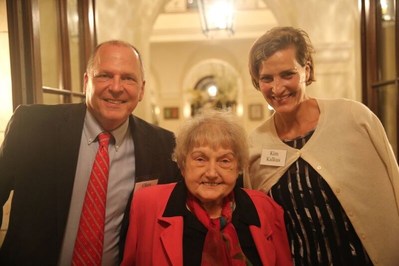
x=370 y=14
x=25 y=58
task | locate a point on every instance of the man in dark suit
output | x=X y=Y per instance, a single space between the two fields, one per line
x=48 y=152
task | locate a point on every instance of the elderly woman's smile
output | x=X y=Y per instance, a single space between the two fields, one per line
x=212 y=184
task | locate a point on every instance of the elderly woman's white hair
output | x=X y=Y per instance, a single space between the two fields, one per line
x=215 y=129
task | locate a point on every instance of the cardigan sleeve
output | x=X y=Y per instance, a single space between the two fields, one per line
x=382 y=145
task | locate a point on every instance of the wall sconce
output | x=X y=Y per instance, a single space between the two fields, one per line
x=387 y=10
x=216 y=16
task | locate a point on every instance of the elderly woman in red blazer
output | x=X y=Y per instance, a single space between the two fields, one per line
x=207 y=219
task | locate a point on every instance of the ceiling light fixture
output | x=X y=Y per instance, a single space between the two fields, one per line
x=387 y=10
x=216 y=16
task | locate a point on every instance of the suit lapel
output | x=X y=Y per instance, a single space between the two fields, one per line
x=261 y=244
x=141 y=145
x=68 y=130
x=171 y=238
x=143 y=149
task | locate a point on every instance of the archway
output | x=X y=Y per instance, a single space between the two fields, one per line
x=211 y=83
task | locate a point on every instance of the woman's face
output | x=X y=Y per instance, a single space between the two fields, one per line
x=282 y=80
x=210 y=174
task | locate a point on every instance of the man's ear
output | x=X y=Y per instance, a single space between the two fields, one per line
x=141 y=95
x=85 y=80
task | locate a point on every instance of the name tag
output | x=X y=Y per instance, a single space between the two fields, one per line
x=145 y=184
x=273 y=157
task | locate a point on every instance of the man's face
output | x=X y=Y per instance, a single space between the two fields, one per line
x=114 y=86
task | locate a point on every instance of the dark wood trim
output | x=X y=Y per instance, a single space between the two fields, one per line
x=363 y=45
x=397 y=38
x=397 y=73
x=35 y=60
x=63 y=92
x=369 y=54
x=65 y=64
x=15 y=55
x=87 y=31
x=24 y=40
x=384 y=83
x=25 y=55
x=371 y=22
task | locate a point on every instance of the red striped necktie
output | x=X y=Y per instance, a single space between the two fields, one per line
x=90 y=238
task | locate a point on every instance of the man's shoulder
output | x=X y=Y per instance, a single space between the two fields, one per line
x=141 y=125
x=49 y=108
x=44 y=113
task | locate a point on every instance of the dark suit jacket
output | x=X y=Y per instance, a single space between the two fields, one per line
x=38 y=161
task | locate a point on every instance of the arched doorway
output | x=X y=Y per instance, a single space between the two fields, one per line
x=211 y=83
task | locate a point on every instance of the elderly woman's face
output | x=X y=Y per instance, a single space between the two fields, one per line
x=210 y=174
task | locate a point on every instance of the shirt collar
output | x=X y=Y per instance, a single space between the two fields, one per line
x=91 y=130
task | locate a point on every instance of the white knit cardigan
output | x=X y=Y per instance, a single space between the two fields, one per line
x=351 y=151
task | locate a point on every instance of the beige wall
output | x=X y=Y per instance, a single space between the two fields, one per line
x=5 y=72
x=5 y=93
x=172 y=64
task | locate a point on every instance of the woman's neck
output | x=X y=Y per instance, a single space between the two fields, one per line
x=298 y=123
x=213 y=209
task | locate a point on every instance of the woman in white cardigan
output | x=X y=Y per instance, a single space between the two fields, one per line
x=328 y=163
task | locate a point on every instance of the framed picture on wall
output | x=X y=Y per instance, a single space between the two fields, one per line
x=255 y=111
x=171 y=112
